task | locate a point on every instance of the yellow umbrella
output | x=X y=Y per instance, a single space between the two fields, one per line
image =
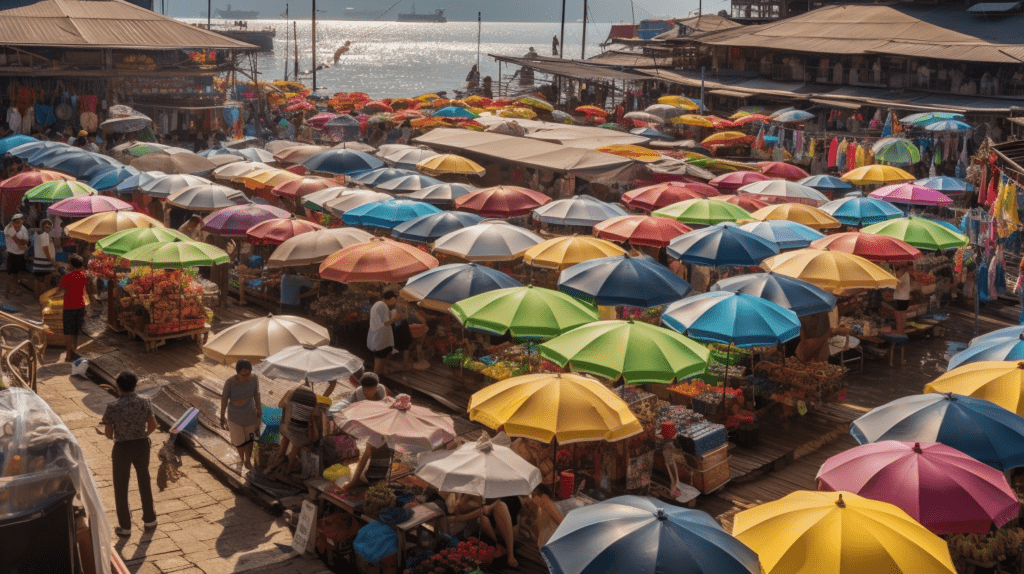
x=685 y=103
x=798 y=213
x=995 y=381
x=427 y=97
x=257 y=339
x=727 y=138
x=631 y=151
x=450 y=164
x=269 y=178
x=692 y=120
x=545 y=406
x=739 y=115
x=839 y=533
x=562 y=252
x=870 y=174
x=833 y=271
x=240 y=176
x=100 y=225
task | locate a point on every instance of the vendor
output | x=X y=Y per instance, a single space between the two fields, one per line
x=369 y=389
x=380 y=340
x=373 y=467
x=502 y=513
x=242 y=420
x=16 y=236
x=295 y=288
x=298 y=424
x=815 y=330
x=193 y=228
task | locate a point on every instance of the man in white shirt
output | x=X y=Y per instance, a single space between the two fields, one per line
x=16 y=237
x=380 y=340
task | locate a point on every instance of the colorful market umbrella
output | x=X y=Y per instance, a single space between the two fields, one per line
x=785 y=234
x=56 y=190
x=207 y=197
x=945 y=490
x=825 y=183
x=561 y=252
x=797 y=212
x=782 y=170
x=441 y=287
x=742 y=120
x=680 y=101
x=946 y=184
x=722 y=245
x=121 y=242
x=182 y=163
x=838 y=533
x=309 y=364
x=652 y=197
x=396 y=422
x=12 y=141
x=948 y=126
x=110 y=178
x=880 y=248
x=135 y=182
x=85 y=205
x=578 y=210
x=257 y=339
x=26 y=180
x=377 y=260
x=794 y=116
x=234 y=221
x=995 y=380
x=443 y=194
x=782 y=191
x=164 y=186
x=734 y=180
x=911 y=194
x=235 y=171
x=432 y=226
x=703 y=212
x=691 y=120
x=641 y=230
x=631 y=151
x=454 y=112
x=1012 y=332
x=623 y=280
x=277 y=231
x=860 y=211
x=79 y=163
x=925 y=118
x=642 y=534
x=450 y=164
x=525 y=312
x=919 y=232
x=175 y=255
x=798 y=296
x=27 y=150
x=487 y=468
x=487 y=241
x=876 y=174
x=833 y=271
x=748 y=203
x=375 y=177
x=414 y=182
x=561 y=407
x=298 y=154
x=665 y=111
x=387 y=214
x=104 y=223
x=898 y=152
x=727 y=139
x=312 y=248
x=501 y=201
x=315 y=201
x=351 y=199
x=407 y=158
x=341 y=161
x=299 y=188
x=636 y=352
x=271 y=178
x=997 y=349
x=732 y=318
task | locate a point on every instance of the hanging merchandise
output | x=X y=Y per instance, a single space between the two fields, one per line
x=851 y=156
x=997 y=274
x=860 y=156
x=981 y=280
x=833 y=151
x=810 y=150
x=841 y=156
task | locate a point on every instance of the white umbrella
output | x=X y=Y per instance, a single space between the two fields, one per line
x=237 y=169
x=408 y=158
x=260 y=338
x=315 y=246
x=486 y=468
x=774 y=190
x=207 y=197
x=490 y=240
x=397 y=423
x=163 y=186
x=310 y=363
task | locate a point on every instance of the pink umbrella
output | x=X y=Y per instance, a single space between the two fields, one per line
x=86 y=205
x=910 y=194
x=320 y=119
x=234 y=221
x=396 y=422
x=942 y=488
x=737 y=179
x=782 y=170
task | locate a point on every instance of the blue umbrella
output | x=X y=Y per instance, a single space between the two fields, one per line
x=945 y=184
x=722 y=245
x=651 y=133
x=1004 y=333
x=134 y=182
x=414 y=182
x=793 y=116
x=441 y=194
x=97 y=170
x=375 y=177
x=342 y=161
x=644 y=535
x=798 y=296
x=580 y=210
x=736 y=318
x=454 y=112
x=38 y=154
x=441 y=287
x=10 y=142
x=387 y=214
x=623 y=280
x=77 y=164
x=1008 y=349
x=27 y=150
x=110 y=178
x=785 y=234
x=983 y=430
x=925 y=118
x=428 y=228
x=825 y=183
x=947 y=126
x=860 y=210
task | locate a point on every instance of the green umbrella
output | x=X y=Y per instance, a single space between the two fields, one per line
x=54 y=191
x=525 y=312
x=920 y=233
x=635 y=351
x=898 y=152
x=128 y=239
x=703 y=212
x=176 y=255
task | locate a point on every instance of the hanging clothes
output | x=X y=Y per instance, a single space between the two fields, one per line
x=859 y=162
x=841 y=155
x=833 y=151
x=997 y=275
x=810 y=150
x=851 y=156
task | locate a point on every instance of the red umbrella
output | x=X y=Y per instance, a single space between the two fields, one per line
x=752 y=118
x=377 y=260
x=869 y=246
x=320 y=119
x=737 y=179
x=277 y=231
x=748 y=203
x=302 y=187
x=721 y=123
x=641 y=230
x=501 y=201
x=376 y=107
x=660 y=195
x=26 y=180
x=782 y=170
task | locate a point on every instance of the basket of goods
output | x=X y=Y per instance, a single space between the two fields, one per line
x=989 y=548
x=727 y=354
x=377 y=498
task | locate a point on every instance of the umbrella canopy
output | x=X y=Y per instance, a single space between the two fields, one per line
x=300 y=188
x=413 y=182
x=946 y=184
x=794 y=116
x=78 y=164
x=732 y=318
x=880 y=248
x=898 y=152
x=782 y=170
x=271 y=178
x=876 y=174
x=911 y=194
x=237 y=169
x=449 y=164
x=340 y=161
x=665 y=111
x=374 y=177
x=443 y=194
x=207 y=197
x=734 y=180
x=722 y=245
x=659 y=195
x=623 y=280
x=316 y=200
x=432 y=226
x=28 y=149
x=641 y=534
x=703 y=212
x=10 y=142
x=310 y=363
x=487 y=241
x=441 y=287
x=833 y=271
x=691 y=120
x=56 y=190
x=641 y=230
x=110 y=179
x=387 y=214
x=919 y=232
x=947 y=126
x=128 y=123
x=396 y=422
x=454 y=112
x=561 y=252
x=121 y=242
x=579 y=210
x=525 y=312
x=299 y=153
x=998 y=381
x=487 y=468
x=945 y=490
x=924 y=118
x=727 y=139
x=785 y=234
x=998 y=349
x=644 y=117
x=828 y=183
x=838 y=533
x=976 y=427
x=36 y=154
x=257 y=339
x=347 y=201
x=748 y=203
x=277 y=231
x=312 y=248
x=26 y=180
x=501 y=201
x=861 y=210
x=679 y=101
x=782 y=191
x=85 y=205
x=636 y=352
x=164 y=186
x=544 y=407
x=631 y=151
x=182 y=163
x=1012 y=332
x=799 y=213
x=651 y=133
x=234 y=221
x=136 y=181
x=798 y=296
x=376 y=260
x=102 y=224
x=407 y=158
x=175 y=255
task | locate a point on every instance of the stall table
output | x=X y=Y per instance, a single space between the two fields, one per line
x=151 y=342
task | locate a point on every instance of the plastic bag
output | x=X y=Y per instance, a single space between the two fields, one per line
x=375 y=541
x=80 y=367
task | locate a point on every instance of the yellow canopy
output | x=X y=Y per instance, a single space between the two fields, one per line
x=839 y=533
x=739 y=115
x=833 y=271
x=692 y=120
x=450 y=164
x=100 y=225
x=995 y=381
x=871 y=174
x=799 y=213
x=562 y=252
x=256 y=170
x=682 y=102
x=723 y=137
x=565 y=407
x=269 y=178
x=631 y=151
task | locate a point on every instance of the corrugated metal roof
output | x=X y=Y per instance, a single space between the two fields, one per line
x=570 y=68
x=101 y=24
x=730 y=94
x=628 y=59
x=846 y=105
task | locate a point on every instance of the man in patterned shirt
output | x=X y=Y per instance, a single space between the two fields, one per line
x=129 y=421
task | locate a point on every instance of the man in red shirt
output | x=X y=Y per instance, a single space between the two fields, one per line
x=76 y=303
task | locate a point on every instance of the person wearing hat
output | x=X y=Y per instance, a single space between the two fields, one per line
x=16 y=236
x=81 y=139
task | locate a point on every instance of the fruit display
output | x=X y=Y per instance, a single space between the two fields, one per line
x=162 y=301
x=810 y=382
x=988 y=548
x=102 y=265
x=343 y=307
x=378 y=497
x=464 y=558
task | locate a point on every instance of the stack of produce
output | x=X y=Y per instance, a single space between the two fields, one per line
x=988 y=548
x=377 y=498
x=53 y=316
x=810 y=382
x=162 y=301
x=103 y=266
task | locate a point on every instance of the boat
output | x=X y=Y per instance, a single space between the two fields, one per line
x=436 y=18
x=230 y=14
x=352 y=14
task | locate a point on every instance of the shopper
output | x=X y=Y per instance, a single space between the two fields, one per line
x=129 y=421
x=901 y=297
x=380 y=339
x=76 y=302
x=242 y=419
x=16 y=236
x=44 y=255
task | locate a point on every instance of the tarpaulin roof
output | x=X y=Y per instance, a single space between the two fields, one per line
x=101 y=24
x=691 y=27
x=586 y=137
x=569 y=68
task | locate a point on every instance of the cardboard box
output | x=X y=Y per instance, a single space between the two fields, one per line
x=710 y=479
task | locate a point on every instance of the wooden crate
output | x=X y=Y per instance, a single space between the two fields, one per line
x=710 y=479
x=708 y=461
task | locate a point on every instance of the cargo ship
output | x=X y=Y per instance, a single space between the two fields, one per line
x=436 y=18
x=359 y=15
x=230 y=14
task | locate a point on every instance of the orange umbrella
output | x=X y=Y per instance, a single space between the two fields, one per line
x=377 y=260
x=501 y=201
x=631 y=151
x=592 y=110
x=26 y=180
x=727 y=138
x=302 y=187
x=299 y=153
x=277 y=231
x=270 y=178
x=720 y=123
